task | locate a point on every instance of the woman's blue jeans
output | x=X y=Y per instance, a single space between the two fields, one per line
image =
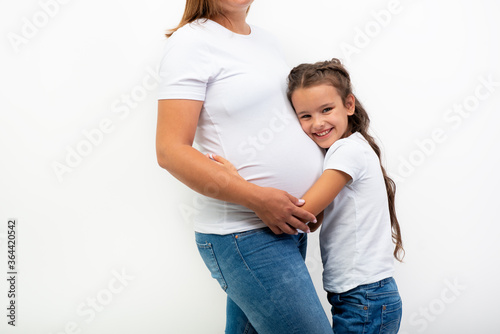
x=266 y=280
x=367 y=309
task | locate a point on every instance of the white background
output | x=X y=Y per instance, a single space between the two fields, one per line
x=114 y=212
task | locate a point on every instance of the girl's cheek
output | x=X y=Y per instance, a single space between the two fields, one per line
x=304 y=127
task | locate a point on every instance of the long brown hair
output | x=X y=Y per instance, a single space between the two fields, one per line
x=198 y=9
x=334 y=73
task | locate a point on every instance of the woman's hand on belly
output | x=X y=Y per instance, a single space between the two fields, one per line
x=278 y=209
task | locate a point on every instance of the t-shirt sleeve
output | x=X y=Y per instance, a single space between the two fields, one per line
x=185 y=68
x=348 y=157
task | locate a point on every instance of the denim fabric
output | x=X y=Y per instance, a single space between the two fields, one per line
x=367 y=309
x=266 y=280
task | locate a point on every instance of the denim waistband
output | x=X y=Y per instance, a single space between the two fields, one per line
x=368 y=286
x=378 y=284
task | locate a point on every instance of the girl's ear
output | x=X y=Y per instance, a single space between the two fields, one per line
x=350 y=104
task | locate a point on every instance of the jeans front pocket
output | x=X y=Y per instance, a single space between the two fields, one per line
x=208 y=256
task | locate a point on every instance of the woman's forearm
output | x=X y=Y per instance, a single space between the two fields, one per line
x=206 y=177
x=176 y=128
x=276 y=208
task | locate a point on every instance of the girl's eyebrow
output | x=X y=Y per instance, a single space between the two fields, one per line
x=319 y=108
x=326 y=105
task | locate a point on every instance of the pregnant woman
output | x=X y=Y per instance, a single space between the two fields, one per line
x=223 y=86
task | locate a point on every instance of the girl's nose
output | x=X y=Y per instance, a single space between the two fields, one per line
x=318 y=123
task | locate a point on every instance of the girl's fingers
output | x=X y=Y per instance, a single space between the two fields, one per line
x=222 y=161
x=212 y=156
x=225 y=163
x=217 y=158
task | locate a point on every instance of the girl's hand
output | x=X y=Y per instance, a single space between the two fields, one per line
x=224 y=163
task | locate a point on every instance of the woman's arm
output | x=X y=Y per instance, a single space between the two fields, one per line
x=176 y=127
x=317 y=198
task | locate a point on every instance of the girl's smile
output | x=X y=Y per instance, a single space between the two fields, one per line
x=323 y=134
x=322 y=113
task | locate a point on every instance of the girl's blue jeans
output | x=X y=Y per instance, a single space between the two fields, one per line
x=267 y=283
x=366 y=309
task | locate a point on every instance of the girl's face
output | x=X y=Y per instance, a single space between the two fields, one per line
x=322 y=114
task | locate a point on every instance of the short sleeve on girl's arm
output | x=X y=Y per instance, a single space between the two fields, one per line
x=185 y=67
x=347 y=156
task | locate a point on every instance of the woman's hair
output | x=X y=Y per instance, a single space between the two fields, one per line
x=198 y=9
x=333 y=73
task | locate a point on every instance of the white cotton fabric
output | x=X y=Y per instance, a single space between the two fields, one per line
x=245 y=118
x=355 y=238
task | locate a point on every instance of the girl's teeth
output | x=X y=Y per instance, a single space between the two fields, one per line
x=323 y=133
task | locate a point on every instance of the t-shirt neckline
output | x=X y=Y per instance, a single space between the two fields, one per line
x=220 y=27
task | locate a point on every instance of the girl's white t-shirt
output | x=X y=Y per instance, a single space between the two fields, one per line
x=355 y=238
x=246 y=116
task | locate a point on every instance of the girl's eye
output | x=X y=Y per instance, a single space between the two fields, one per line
x=327 y=110
x=305 y=116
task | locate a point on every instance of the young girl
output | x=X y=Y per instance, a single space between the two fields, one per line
x=357 y=197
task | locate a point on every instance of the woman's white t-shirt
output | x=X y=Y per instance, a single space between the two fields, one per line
x=245 y=118
x=355 y=238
